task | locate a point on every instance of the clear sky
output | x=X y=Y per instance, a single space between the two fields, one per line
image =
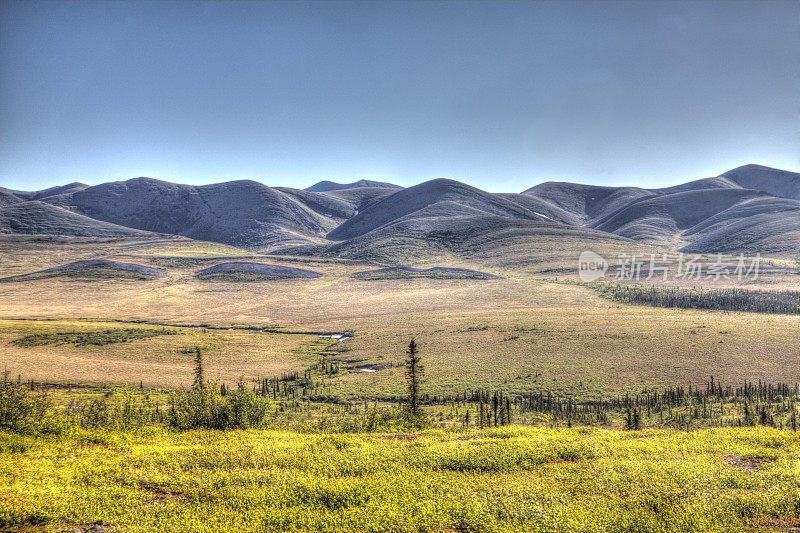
x=500 y=95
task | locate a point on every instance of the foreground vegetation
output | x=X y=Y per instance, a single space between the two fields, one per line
x=505 y=479
x=210 y=458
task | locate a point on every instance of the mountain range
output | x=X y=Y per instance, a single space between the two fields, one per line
x=746 y=210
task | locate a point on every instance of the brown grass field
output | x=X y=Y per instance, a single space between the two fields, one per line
x=522 y=333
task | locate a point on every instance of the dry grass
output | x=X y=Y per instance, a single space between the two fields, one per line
x=161 y=361
x=519 y=333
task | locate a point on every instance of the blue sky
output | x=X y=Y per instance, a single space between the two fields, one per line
x=500 y=95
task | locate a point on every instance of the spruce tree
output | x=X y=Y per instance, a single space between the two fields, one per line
x=198 y=369
x=414 y=372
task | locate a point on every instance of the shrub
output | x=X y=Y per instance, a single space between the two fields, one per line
x=375 y=420
x=205 y=407
x=24 y=410
x=113 y=411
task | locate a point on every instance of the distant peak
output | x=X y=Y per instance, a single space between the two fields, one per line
x=327 y=185
x=754 y=167
x=145 y=179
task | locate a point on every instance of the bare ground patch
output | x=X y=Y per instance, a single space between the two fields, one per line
x=748 y=463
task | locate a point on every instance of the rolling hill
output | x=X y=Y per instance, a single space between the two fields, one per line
x=435 y=199
x=745 y=210
x=8 y=196
x=240 y=213
x=748 y=209
x=340 y=203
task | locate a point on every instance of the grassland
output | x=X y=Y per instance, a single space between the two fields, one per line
x=519 y=334
x=510 y=479
x=79 y=351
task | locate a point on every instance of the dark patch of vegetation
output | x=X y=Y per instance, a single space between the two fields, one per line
x=93 y=269
x=493 y=410
x=114 y=410
x=432 y=273
x=85 y=274
x=239 y=277
x=244 y=271
x=754 y=301
x=199 y=375
x=184 y=262
x=91 y=338
x=26 y=408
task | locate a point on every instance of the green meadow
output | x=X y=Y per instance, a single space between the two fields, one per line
x=507 y=479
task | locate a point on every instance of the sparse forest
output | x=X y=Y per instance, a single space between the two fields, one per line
x=753 y=301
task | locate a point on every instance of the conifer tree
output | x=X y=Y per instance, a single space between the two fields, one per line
x=198 y=369
x=414 y=372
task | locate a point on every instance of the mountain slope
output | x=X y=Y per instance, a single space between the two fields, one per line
x=9 y=197
x=439 y=198
x=39 y=218
x=672 y=217
x=55 y=191
x=341 y=203
x=764 y=224
x=771 y=180
x=322 y=203
x=586 y=202
x=660 y=220
x=241 y=213
x=490 y=241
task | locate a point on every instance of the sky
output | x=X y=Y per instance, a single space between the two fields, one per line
x=500 y=95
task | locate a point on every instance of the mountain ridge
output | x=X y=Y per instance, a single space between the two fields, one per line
x=326 y=185
x=742 y=209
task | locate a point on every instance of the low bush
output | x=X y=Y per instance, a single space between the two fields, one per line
x=375 y=420
x=119 y=410
x=205 y=407
x=26 y=411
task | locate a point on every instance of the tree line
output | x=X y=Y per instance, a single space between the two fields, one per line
x=27 y=406
x=755 y=301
